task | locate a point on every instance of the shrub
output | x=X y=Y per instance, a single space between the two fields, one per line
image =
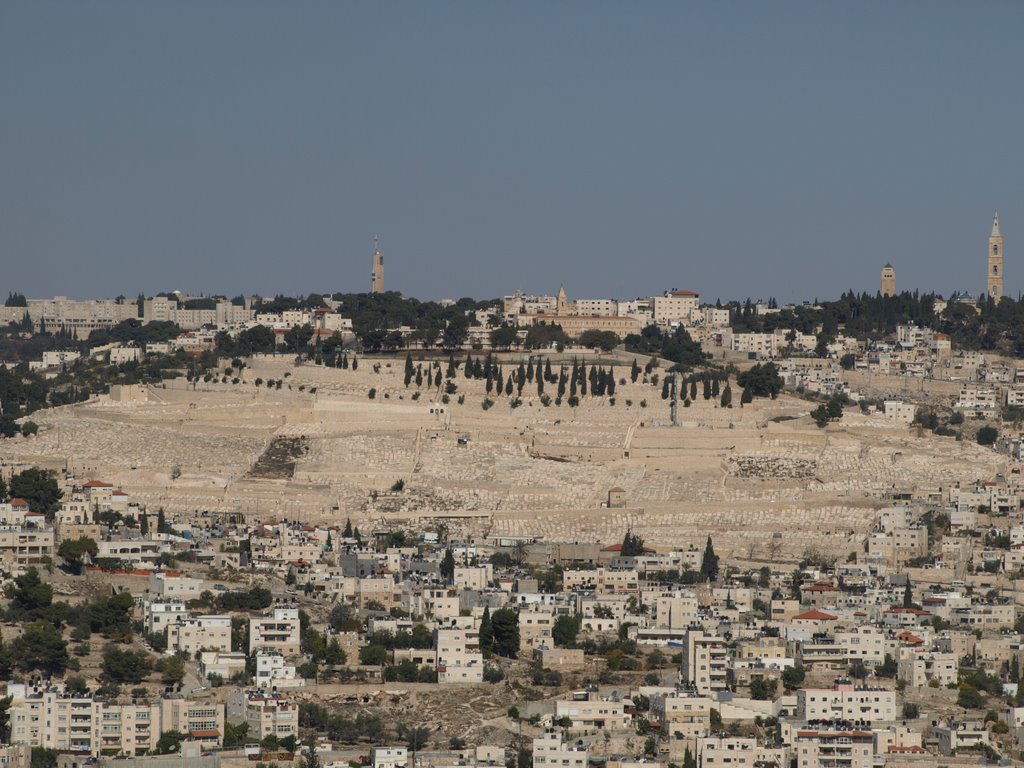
x=372 y=394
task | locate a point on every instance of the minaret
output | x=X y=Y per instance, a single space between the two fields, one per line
x=377 y=276
x=995 y=261
x=888 y=280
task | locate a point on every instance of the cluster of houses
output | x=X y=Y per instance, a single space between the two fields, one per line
x=830 y=665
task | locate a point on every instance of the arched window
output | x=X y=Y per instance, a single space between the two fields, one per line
x=995 y=269
x=995 y=249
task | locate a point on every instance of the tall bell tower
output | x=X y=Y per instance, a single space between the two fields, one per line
x=995 y=261
x=377 y=276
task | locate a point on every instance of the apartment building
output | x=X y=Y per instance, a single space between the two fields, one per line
x=199 y=633
x=705 y=662
x=160 y=614
x=551 y=751
x=278 y=630
x=846 y=702
x=273 y=671
x=50 y=717
x=674 y=306
x=459 y=659
x=266 y=713
x=918 y=667
x=21 y=548
x=588 y=712
x=603 y=581
x=831 y=748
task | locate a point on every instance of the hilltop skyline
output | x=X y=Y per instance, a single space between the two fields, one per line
x=737 y=150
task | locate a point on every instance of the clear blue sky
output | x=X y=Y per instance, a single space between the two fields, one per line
x=618 y=148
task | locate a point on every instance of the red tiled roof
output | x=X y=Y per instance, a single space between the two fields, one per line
x=210 y=734
x=814 y=615
x=18 y=503
x=97 y=484
x=684 y=293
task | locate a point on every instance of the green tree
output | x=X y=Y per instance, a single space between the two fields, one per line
x=986 y=436
x=30 y=596
x=969 y=697
x=632 y=545
x=75 y=551
x=505 y=627
x=373 y=655
x=171 y=669
x=310 y=758
x=448 y=564
x=169 y=742
x=565 y=630
x=763 y=380
x=5 y=719
x=793 y=677
x=40 y=647
x=727 y=396
x=709 y=563
x=39 y=488
x=486 y=632
x=126 y=666
x=762 y=689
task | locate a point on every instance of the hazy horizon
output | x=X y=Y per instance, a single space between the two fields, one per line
x=737 y=149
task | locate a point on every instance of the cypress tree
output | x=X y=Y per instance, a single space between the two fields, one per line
x=467 y=370
x=693 y=389
x=486 y=634
x=709 y=563
x=634 y=372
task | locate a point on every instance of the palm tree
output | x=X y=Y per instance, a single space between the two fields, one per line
x=519 y=552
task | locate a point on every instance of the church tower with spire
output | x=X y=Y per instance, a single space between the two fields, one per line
x=995 y=261
x=377 y=276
